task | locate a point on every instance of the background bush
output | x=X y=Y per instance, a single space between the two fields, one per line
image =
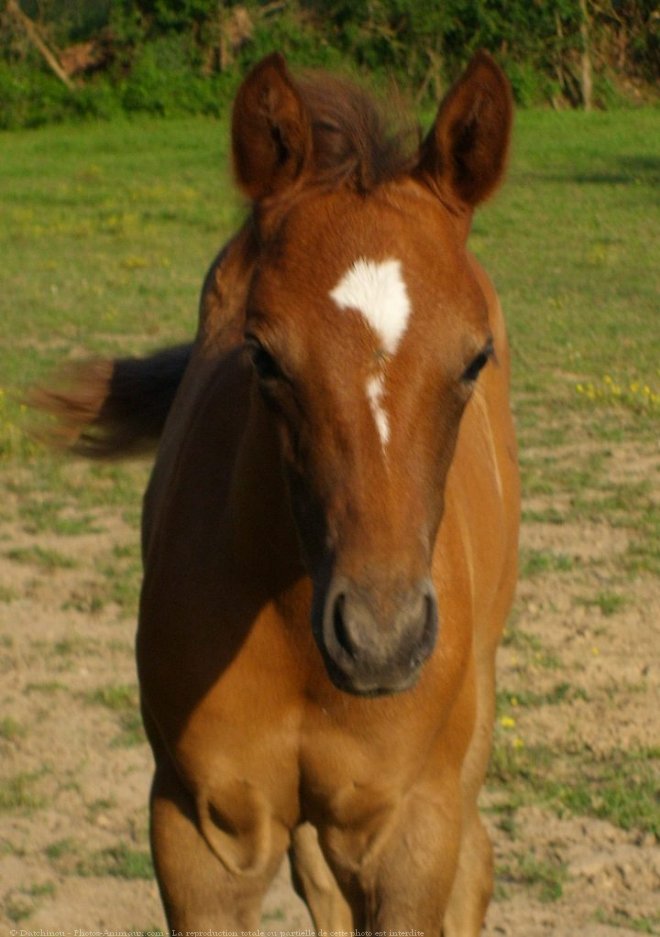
x=185 y=56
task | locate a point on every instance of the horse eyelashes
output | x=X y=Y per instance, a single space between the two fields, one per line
x=473 y=370
x=471 y=373
x=264 y=364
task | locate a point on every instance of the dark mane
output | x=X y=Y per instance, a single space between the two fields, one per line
x=354 y=143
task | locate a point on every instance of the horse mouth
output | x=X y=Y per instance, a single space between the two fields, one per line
x=370 y=687
x=384 y=678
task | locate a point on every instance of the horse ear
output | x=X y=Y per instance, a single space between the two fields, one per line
x=271 y=131
x=464 y=155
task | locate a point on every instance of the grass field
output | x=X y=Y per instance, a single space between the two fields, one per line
x=106 y=234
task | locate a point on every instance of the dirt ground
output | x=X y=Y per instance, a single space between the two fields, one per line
x=73 y=819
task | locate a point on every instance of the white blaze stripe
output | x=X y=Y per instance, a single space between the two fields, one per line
x=375 y=391
x=377 y=290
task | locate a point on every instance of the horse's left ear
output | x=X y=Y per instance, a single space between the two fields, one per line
x=271 y=132
x=464 y=155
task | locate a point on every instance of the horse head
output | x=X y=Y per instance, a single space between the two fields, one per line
x=367 y=330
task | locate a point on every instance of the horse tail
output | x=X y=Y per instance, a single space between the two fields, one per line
x=109 y=408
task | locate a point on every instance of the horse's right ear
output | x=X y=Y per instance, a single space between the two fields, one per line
x=271 y=131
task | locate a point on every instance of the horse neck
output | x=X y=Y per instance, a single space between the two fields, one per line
x=262 y=533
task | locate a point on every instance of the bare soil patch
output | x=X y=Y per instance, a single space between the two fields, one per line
x=578 y=681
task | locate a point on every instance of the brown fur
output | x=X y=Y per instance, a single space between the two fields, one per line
x=354 y=142
x=292 y=688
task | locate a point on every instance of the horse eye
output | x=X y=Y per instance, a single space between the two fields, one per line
x=264 y=364
x=472 y=371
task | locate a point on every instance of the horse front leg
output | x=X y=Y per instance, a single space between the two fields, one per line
x=314 y=882
x=198 y=891
x=399 y=878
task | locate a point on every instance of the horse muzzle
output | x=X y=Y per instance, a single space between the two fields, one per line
x=375 y=640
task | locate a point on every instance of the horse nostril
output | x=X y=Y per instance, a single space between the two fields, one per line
x=339 y=624
x=430 y=610
x=430 y=617
x=429 y=632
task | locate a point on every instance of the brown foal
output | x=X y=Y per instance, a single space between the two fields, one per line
x=330 y=531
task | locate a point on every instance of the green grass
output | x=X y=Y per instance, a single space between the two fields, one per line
x=18 y=908
x=76 y=645
x=107 y=232
x=530 y=647
x=10 y=729
x=142 y=206
x=117 y=861
x=580 y=293
x=640 y=925
x=42 y=557
x=44 y=515
x=99 y=806
x=122 y=574
x=8 y=595
x=622 y=789
x=69 y=857
x=20 y=904
x=546 y=877
x=47 y=687
x=123 y=701
x=17 y=792
x=61 y=847
x=40 y=889
x=609 y=603
x=536 y=562
x=562 y=692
